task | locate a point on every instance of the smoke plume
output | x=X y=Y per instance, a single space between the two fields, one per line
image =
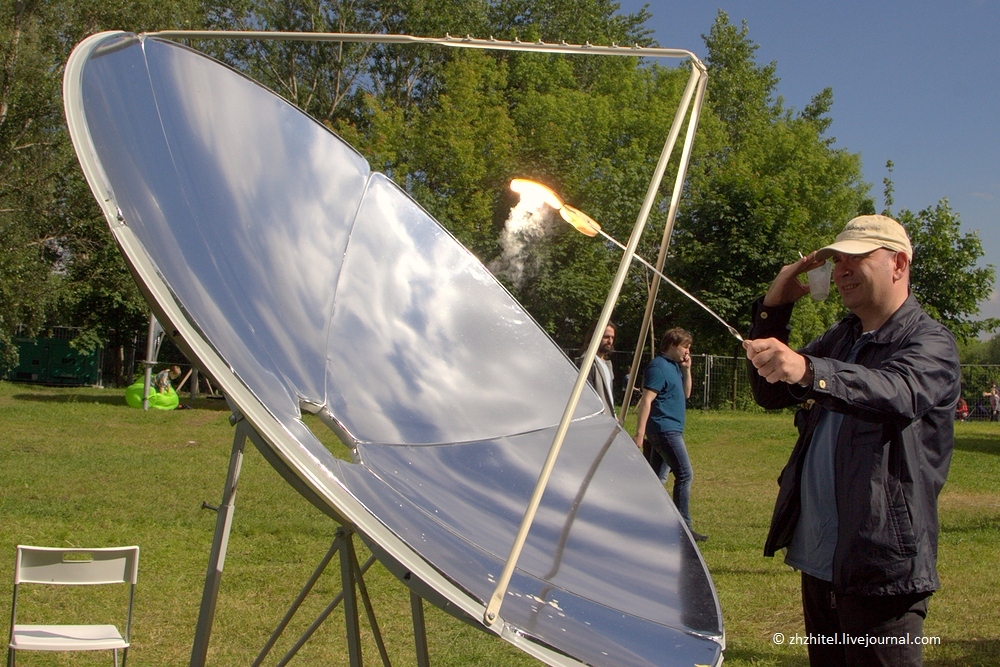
x=528 y=223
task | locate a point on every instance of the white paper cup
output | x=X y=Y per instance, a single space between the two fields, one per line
x=819 y=281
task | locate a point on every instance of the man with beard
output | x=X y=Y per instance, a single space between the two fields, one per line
x=602 y=375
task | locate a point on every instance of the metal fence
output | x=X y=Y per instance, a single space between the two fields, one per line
x=722 y=383
x=976 y=381
x=717 y=382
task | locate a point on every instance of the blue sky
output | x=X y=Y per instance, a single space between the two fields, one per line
x=914 y=82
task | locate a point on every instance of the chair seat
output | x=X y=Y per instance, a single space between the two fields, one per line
x=67 y=638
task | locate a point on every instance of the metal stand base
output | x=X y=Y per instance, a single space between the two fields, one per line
x=351 y=576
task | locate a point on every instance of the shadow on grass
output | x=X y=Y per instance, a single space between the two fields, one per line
x=974 y=524
x=218 y=404
x=750 y=656
x=979 y=444
x=971 y=652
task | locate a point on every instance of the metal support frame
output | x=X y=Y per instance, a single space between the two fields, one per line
x=352 y=574
x=419 y=629
x=691 y=102
x=352 y=584
x=668 y=229
x=220 y=543
x=154 y=337
x=707 y=384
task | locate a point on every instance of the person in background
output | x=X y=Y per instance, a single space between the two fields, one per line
x=994 y=397
x=602 y=374
x=666 y=386
x=961 y=410
x=162 y=380
x=857 y=503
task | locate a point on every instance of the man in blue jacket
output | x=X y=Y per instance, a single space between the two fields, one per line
x=857 y=505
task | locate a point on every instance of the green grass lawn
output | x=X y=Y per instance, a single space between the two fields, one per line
x=79 y=468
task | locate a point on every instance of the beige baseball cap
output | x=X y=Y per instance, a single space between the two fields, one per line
x=866 y=233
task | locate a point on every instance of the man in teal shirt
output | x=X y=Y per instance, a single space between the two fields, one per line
x=666 y=386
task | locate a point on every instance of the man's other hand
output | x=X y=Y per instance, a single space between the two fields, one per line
x=787 y=288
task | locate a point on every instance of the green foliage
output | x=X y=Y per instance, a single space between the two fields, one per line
x=58 y=264
x=575 y=21
x=944 y=276
x=767 y=187
x=741 y=93
x=597 y=145
x=974 y=351
x=30 y=164
x=319 y=78
x=461 y=150
x=452 y=127
x=590 y=128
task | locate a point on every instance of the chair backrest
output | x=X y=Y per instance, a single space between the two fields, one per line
x=74 y=566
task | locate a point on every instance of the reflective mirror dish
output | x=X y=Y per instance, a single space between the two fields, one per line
x=303 y=281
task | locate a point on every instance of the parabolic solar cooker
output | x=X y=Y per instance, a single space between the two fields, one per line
x=304 y=282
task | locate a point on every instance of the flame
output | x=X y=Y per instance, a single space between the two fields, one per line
x=534 y=195
x=532 y=192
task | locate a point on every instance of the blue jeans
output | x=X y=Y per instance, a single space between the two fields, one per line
x=670 y=446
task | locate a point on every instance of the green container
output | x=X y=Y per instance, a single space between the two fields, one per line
x=51 y=360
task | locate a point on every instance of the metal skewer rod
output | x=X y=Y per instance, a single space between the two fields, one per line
x=677 y=287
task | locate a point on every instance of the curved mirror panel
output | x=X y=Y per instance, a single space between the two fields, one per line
x=303 y=278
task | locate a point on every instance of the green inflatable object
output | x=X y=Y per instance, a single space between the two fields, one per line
x=167 y=400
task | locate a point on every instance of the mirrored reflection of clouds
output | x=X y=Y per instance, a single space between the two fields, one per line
x=278 y=192
x=478 y=492
x=247 y=208
x=150 y=193
x=589 y=629
x=456 y=357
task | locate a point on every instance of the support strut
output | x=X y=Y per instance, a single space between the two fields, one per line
x=351 y=572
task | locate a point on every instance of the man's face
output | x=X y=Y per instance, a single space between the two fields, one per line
x=864 y=281
x=679 y=353
x=607 y=341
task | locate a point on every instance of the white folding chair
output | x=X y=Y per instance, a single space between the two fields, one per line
x=72 y=567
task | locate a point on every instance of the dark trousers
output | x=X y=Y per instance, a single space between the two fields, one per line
x=877 y=619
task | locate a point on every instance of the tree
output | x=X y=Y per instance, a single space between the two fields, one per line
x=320 y=78
x=30 y=163
x=945 y=277
x=582 y=125
x=58 y=263
x=452 y=127
x=766 y=184
x=979 y=352
x=741 y=93
x=597 y=145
